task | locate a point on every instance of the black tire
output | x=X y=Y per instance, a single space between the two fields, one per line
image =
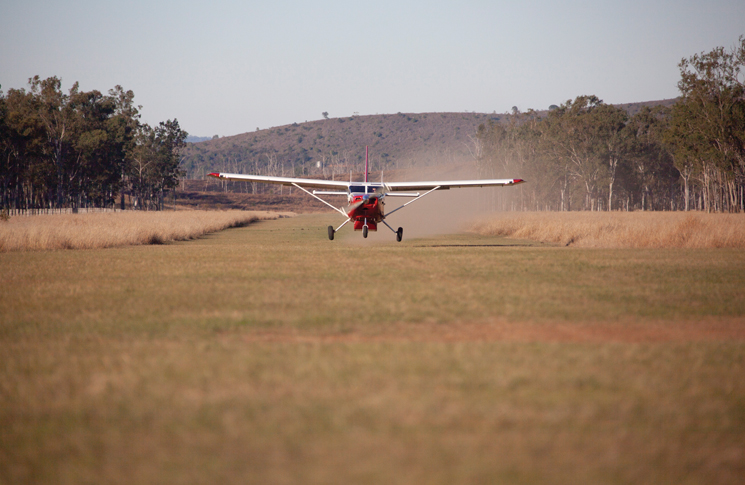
x=364 y=231
x=331 y=233
x=400 y=234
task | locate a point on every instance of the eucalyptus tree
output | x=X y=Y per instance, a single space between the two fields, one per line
x=612 y=142
x=707 y=131
x=576 y=144
x=171 y=139
x=154 y=167
x=66 y=149
x=55 y=115
x=122 y=128
x=652 y=167
x=26 y=171
x=92 y=168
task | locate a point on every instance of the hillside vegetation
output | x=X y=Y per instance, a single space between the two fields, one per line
x=589 y=155
x=338 y=143
x=396 y=141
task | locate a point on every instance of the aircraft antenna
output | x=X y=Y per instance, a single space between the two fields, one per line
x=366 y=161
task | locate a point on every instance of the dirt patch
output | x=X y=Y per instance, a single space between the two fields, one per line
x=709 y=329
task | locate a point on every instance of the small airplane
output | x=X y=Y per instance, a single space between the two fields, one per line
x=366 y=200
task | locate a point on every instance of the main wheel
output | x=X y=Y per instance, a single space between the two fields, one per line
x=400 y=234
x=331 y=233
x=364 y=231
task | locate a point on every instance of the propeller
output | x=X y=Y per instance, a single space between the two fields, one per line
x=352 y=207
x=365 y=199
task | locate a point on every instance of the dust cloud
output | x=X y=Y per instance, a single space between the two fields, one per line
x=441 y=212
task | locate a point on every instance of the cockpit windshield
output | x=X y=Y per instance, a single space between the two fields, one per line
x=360 y=189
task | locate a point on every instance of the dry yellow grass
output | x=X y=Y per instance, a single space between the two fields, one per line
x=619 y=229
x=103 y=230
x=269 y=354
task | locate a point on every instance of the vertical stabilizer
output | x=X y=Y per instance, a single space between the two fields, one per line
x=367 y=148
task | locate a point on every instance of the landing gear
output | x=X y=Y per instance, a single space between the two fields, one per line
x=364 y=231
x=399 y=234
x=331 y=233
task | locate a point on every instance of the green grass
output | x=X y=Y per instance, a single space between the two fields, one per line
x=268 y=354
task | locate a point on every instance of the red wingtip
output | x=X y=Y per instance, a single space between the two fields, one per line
x=214 y=174
x=517 y=181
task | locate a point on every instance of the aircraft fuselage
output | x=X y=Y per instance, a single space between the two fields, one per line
x=366 y=206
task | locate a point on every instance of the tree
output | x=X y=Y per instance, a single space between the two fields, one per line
x=26 y=170
x=652 y=168
x=123 y=128
x=575 y=134
x=155 y=162
x=81 y=148
x=609 y=126
x=92 y=167
x=54 y=113
x=707 y=130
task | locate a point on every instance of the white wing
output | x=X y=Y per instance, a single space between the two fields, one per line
x=308 y=183
x=450 y=184
x=390 y=186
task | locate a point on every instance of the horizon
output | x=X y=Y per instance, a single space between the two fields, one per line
x=354 y=115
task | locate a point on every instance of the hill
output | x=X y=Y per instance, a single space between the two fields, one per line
x=338 y=144
x=334 y=147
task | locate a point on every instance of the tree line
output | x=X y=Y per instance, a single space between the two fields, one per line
x=83 y=149
x=86 y=149
x=587 y=155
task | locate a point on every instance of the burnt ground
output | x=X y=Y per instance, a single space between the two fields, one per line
x=297 y=202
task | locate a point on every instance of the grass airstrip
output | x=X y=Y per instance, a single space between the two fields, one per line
x=269 y=354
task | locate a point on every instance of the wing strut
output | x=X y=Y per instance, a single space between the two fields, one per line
x=412 y=200
x=315 y=196
x=342 y=225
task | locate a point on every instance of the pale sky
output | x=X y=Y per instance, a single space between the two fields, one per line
x=227 y=67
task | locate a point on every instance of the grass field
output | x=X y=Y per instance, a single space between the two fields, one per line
x=620 y=229
x=111 y=229
x=268 y=354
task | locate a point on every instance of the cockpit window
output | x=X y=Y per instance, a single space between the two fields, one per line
x=360 y=189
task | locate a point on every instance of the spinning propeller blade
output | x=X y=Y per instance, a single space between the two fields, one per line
x=368 y=197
